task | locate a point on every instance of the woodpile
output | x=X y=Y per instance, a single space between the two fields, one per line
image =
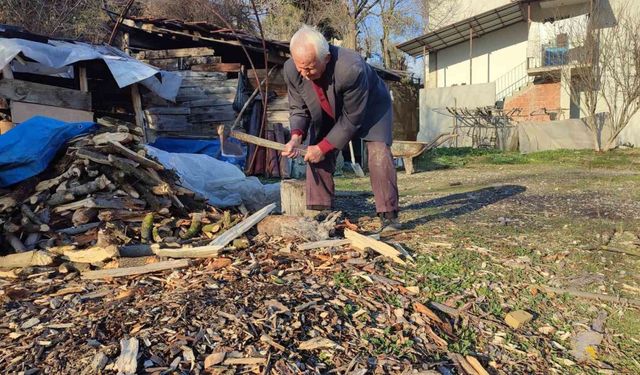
x=101 y=200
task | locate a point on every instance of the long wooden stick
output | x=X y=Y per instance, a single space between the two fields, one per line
x=131 y=271
x=587 y=295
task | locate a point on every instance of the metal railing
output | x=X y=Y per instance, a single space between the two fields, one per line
x=512 y=81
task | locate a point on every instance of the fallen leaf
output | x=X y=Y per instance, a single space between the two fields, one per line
x=214 y=359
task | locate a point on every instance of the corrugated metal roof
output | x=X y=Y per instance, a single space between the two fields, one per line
x=459 y=32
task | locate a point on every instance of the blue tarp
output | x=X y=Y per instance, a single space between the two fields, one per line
x=209 y=147
x=27 y=149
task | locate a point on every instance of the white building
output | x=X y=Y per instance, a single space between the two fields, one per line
x=515 y=56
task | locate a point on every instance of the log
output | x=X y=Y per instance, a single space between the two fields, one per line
x=362 y=242
x=37 y=93
x=136 y=251
x=131 y=271
x=26 y=259
x=72 y=172
x=15 y=242
x=27 y=212
x=83 y=216
x=220 y=242
x=18 y=195
x=70 y=194
x=127 y=153
x=79 y=229
x=295 y=227
x=194 y=228
x=293 y=197
x=147 y=226
x=121 y=215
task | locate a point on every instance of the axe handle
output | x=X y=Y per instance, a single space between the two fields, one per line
x=261 y=141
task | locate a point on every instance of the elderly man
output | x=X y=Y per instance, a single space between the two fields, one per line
x=335 y=96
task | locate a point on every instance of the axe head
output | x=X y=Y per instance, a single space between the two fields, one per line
x=228 y=148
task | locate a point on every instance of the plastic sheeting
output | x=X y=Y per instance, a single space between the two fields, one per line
x=27 y=149
x=554 y=135
x=209 y=147
x=223 y=184
x=57 y=54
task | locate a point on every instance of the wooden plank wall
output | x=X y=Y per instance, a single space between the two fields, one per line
x=205 y=100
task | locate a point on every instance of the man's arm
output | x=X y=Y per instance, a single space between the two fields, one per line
x=353 y=109
x=299 y=115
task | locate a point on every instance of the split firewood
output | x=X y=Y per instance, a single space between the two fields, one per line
x=135 y=251
x=152 y=201
x=129 y=154
x=362 y=242
x=95 y=157
x=26 y=259
x=91 y=255
x=105 y=138
x=127 y=362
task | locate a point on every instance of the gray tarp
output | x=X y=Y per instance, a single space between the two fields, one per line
x=58 y=54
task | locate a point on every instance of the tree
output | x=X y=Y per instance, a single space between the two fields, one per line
x=238 y=13
x=604 y=72
x=73 y=19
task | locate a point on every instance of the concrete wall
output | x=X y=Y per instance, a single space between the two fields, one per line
x=494 y=54
x=433 y=102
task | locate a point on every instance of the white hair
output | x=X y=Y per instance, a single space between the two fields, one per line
x=310 y=35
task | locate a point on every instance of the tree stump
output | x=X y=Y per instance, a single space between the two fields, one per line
x=293 y=197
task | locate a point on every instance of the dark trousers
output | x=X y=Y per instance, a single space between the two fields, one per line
x=382 y=172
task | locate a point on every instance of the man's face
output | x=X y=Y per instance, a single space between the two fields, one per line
x=307 y=62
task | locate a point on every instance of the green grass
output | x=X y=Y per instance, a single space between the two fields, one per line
x=445 y=158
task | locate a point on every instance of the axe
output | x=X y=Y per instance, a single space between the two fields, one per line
x=233 y=149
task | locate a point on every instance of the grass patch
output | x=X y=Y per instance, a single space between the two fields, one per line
x=446 y=158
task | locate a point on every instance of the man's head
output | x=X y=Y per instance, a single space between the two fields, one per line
x=310 y=52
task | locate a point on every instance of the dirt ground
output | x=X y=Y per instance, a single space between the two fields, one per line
x=488 y=229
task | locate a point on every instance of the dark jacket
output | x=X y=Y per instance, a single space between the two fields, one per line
x=359 y=99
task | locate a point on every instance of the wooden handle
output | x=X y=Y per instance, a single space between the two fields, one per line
x=261 y=141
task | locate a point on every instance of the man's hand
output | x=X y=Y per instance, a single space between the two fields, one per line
x=314 y=154
x=292 y=148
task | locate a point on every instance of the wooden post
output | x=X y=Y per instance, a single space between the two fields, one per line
x=137 y=107
x=82 y=75
x=7 y=73
x=293 y=197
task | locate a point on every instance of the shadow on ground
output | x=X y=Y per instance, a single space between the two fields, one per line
x=461 y=203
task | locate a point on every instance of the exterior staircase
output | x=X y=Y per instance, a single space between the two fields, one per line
x=512 y=81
